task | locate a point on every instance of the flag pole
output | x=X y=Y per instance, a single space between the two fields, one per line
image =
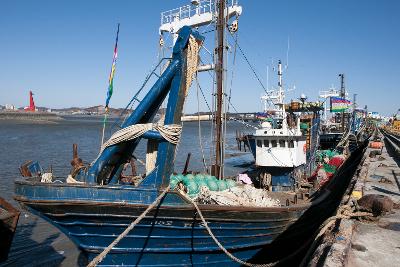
x=104 y=128
x=110 y=85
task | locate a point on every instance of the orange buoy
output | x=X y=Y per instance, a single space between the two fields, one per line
x=376 y=145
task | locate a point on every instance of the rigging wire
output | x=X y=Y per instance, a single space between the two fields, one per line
x=204 y=97
x=250 y=65
x=233 y=68
x=200 y=134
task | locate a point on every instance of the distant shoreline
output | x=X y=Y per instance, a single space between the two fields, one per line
x=29 y=116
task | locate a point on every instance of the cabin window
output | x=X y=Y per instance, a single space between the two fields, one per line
x=274 y=143
x=282 y=143
x=266 y=143
x=259 y=143
x=291 y=144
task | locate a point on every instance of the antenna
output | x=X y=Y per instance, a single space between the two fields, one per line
x=287 y=53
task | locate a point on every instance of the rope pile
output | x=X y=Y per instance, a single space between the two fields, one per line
x=192 y=59
x=344 y=212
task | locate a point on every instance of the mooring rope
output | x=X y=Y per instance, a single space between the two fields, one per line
x=344 y=212
x=103 y=254
x=230 y=255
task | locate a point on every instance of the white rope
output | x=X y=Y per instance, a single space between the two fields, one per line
x=192 y=59
x=230 y=255
x=171 y=133
x=103 y=254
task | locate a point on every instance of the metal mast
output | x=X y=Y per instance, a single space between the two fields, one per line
x=354 y=112
x=342 y=95
x=281 y=94
x=201 y=13
x=217 y=168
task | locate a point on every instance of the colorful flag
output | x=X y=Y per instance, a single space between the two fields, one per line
x=263 y=115
x=339 y=104
x=111 y=78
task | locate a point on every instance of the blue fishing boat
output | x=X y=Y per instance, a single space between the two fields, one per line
x=96 y=207
x=145 y=220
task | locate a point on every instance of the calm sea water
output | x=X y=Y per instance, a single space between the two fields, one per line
x=38 y=243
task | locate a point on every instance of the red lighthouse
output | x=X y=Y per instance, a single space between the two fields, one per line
x=32 y=106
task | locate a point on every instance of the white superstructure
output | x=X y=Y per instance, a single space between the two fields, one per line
x=277 y=142
x=198 y=13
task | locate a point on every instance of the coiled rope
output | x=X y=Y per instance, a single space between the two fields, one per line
x=171 y=133
x=103 y=254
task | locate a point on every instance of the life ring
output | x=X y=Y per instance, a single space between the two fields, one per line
x=305 y=148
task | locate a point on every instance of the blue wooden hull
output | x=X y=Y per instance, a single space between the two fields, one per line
x=170 y=235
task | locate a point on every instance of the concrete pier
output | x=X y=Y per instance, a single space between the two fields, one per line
x=367 y=242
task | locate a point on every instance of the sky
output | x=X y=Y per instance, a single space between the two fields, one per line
x=62 y=50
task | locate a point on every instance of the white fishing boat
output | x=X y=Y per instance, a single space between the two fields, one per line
x=279 y=141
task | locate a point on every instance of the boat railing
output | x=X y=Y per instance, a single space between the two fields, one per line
x=204 y=6
x=201 y=7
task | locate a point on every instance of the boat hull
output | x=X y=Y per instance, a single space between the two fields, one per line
x=8 y=224
x=173 y=234
x=169 y=235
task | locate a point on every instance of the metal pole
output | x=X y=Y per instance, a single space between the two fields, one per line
x=354 y=112
x=342 y=95
x=217 y=167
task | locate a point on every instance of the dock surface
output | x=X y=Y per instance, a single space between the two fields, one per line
x=365 y=242
x=378 y=243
